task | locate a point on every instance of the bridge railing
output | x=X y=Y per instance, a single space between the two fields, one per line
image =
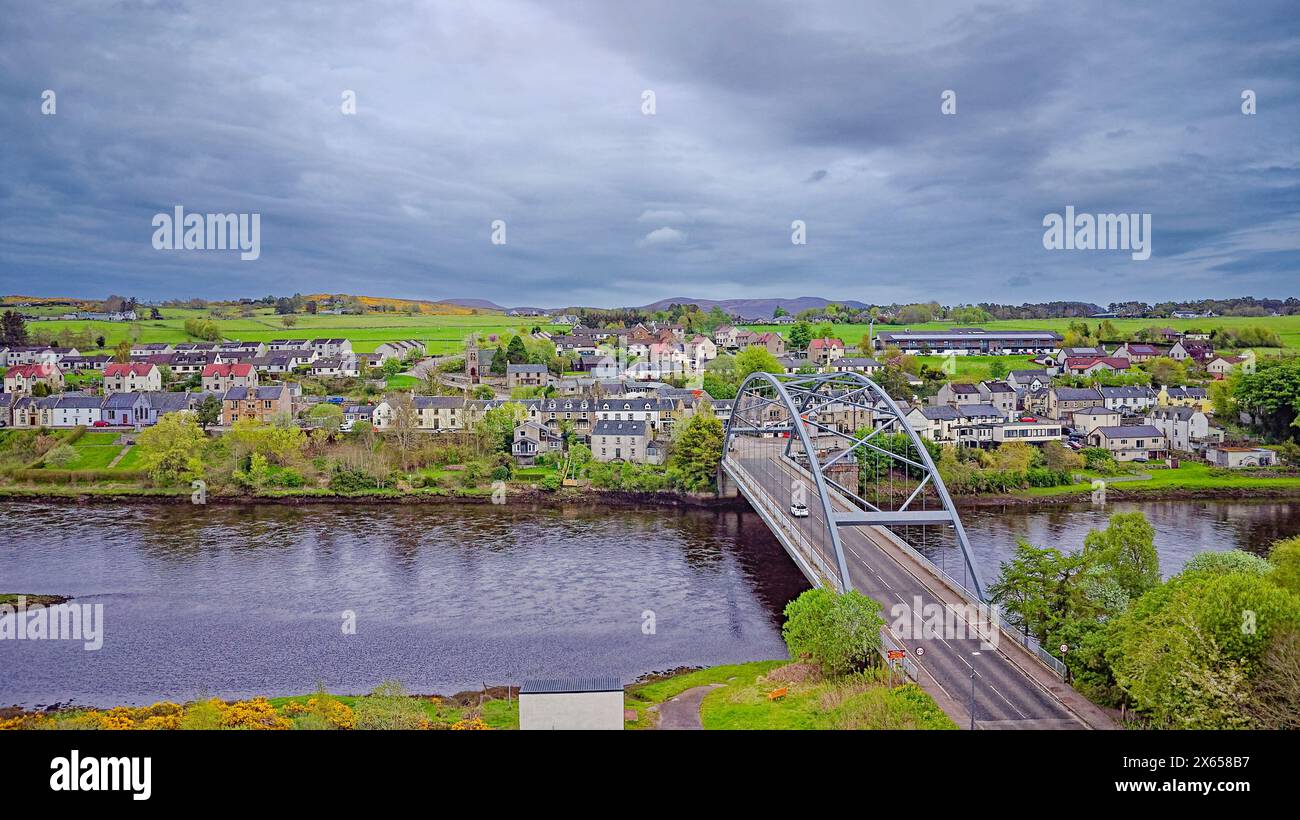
x=1011 y=631
x=755 y=493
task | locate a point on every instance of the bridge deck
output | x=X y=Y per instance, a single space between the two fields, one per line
x=1012 y=689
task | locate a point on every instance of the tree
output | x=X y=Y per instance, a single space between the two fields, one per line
x=122 y=351
x=208 y=411
x=800 y=335
x=275 y=442
x=499 y=362
x=1127 y=547
x=1272 y=396
x=755 y=359
x=403 y=426
x=13 y=328
x=837 y=632
x=496 y=430
x=516 y=353
x=1039 y=588
x=100 y=341
x=169 y=450
x=998 y=369
x=288 y=320
x=696 y=452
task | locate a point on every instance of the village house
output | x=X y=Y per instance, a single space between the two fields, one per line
x=95 y=363
x=956 y=393
x=1000 y=395
x=1198 y=397
x=1137 y=352
x=132 y=377
x=531 y=440
x=855 y=364
x=725 y=337
x=401 y=350
x=631 y=441
x=1090 y=418
x=331 y=347
x=771 y=340
x=1062 y=402
x=1023 y=380
x=1186 y=428
x=1220 y=366
x=218 y=378
x=440 y=414
x=825 y=351
x=578 y=413
x=160 y=403
x=1131 y=401
x=791 y=365
x=1197 y=352
x=22 y=378
x=1089 y=365
x=125 y=409
x=1130 y=443
x=69 y=410
x=140 y=350
x=261 y=403
x=526 y=375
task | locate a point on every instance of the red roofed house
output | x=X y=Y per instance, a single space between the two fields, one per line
x=825 y=351
x=1087 y=365
x=218 y=378
x=21 y=378
x=132 y=377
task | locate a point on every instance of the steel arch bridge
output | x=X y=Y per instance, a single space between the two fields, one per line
x=838 y=446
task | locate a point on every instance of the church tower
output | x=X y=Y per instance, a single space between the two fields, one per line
x=471 y=359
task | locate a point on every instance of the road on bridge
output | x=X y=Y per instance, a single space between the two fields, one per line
x=1008 y=694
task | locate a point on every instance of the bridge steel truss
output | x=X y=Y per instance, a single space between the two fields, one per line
x=809 y=412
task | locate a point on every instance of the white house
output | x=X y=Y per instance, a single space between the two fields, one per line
x=595 y=703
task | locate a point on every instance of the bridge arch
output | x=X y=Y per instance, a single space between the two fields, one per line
x=814 y=411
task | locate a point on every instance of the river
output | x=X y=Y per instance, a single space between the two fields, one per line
x=236 y=601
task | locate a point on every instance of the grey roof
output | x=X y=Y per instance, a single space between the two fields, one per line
x=972 y=333
x=1076 y=393
x=998 y=387
x=525 y=368
x=1134 y=431
x=1030 y=374
x=122 y=399
x=71 y=401
x=609 y=427
x=1095 y=410
x=560 y=686
x=979 y=410
x=1170 y=412
x=1125 y=392
x=1187 y=392
x=856 y=361
x=942 y=412
x=435 y=402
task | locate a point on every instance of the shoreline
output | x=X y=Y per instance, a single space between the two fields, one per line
x=620 y=498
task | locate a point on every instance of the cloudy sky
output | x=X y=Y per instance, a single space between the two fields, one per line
x=532 y=113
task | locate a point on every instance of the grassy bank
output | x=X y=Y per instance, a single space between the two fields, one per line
x=1197 y=478
x=750 y=696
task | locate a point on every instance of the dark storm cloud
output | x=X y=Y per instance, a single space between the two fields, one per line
x=531 y=113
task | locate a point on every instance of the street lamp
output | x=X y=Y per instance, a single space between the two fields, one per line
x=972 y=694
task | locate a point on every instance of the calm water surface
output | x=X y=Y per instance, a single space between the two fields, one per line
x=239 y=601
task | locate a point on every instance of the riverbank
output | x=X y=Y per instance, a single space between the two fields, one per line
x=772 y=694
x=1153 y=488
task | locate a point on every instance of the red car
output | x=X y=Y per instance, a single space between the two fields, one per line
x=100 y=423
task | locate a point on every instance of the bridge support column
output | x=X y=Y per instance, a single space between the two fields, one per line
x=726 y=487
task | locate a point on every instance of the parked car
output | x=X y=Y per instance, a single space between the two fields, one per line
x=100 y=423
x=346 y=427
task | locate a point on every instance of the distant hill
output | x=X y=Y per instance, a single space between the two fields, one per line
x=755 y=308
x=444 y=307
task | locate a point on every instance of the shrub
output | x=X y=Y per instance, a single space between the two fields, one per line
x=838 y=632
x=551 y=483
x=388 y=707
x=61 y=455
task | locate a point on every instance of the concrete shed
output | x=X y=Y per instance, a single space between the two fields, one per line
x=580 y=703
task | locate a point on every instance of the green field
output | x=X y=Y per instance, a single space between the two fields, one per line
x=442 y=333
x=94 y=451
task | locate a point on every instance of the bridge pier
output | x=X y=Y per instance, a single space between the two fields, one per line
x=726 y=486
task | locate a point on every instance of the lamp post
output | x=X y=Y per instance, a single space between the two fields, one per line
x=972 y=693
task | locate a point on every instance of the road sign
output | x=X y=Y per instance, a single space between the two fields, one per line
x=897 y=654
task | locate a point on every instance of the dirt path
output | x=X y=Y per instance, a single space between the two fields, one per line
x=683 y=711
